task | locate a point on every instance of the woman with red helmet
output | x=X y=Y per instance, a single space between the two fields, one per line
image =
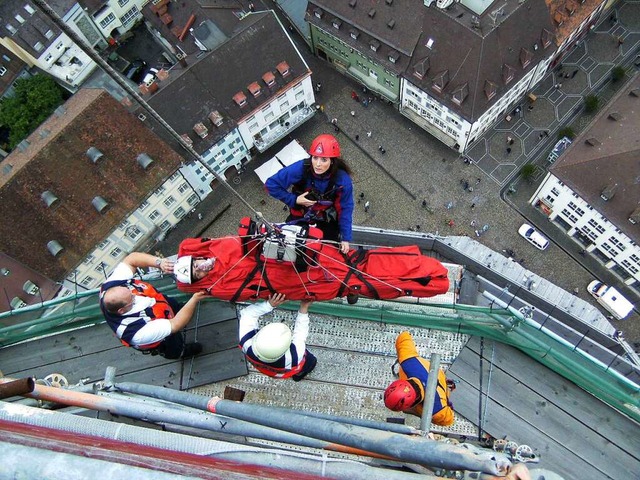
x=321 y=190
x=407 y=394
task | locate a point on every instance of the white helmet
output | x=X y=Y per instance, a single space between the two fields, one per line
x=271 y=342
x=182 y=269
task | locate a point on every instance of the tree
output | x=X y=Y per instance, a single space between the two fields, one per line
x=35 y=99
x=528 y=171
x=591 y=103
x=618 y=73
x=566 y=132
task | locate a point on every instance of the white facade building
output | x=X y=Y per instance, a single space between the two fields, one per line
x=589 y=228
x=118 y=15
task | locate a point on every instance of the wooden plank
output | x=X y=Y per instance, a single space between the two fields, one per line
x=210 y=312
x=553 y=423
x=498 y=420
x=216 y=337
x=217 y=367
x=567 y=396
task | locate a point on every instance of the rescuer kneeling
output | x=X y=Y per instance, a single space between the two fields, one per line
x=407 y=394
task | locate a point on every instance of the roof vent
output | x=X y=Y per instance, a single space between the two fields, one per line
x=44 y=133
x=593 y=141
x=354 y=33
x=391 y=24
x=48 y=198
x=4 y=271
x=30 y=287
x=635 y=216
x=201 y=130
x=54 y=247
x=94 y=154
x=23 y=145
x=615 y=116
x=635 y=92
x=240 y=99
x=254 y=89
x=389 y=2
x=372 y=13
x=337 y=23
x=429 y=43
x=6 y=169
x=216 y=118
x=100 y=204
x=374 y=45
x=17 y=302
x=144 y=160
x=283 y=68
x=609 y=192
x=353 y=3
x=60 y=111
x=269 y=78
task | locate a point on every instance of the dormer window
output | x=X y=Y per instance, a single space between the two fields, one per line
x=354 y=33
x=144 y=161
x=38 y=46
x=394 y=56
x=421 y=68
x=337 y=23
x=353 y=3
x=54 y=247
x=269 y=78
x=440 y=81
x=508 y=72
x=372 y=13
x=546 y=37
x=254 y=89
x=201 y=130
x=374 y=45
x=19 y=18
x=318 y=13
x=240 y=99
x=216 y=118
x=30 y=288
x=490 y=89
x=48 y=198
x=283 y=68
x=100 y=204
x=11 y=28
x=525 y=57
x=94 y=154
x=30 y=10
x=460 y=94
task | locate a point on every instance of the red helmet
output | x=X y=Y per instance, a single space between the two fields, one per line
x=400 y=396
x=325 y=145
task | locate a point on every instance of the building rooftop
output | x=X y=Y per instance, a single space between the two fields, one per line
x=605 y=158
x=254 y=55
x=54 y=159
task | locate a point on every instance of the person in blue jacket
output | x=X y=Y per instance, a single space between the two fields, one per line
x=321 y=191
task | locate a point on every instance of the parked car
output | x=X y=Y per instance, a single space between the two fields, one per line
x=150 y=76
x=534 y=237
x=135 y=71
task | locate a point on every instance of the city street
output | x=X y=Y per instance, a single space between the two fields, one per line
x=413 y=168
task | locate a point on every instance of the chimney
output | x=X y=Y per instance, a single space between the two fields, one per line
x=635 y=216
x=254 y=89
x=162 y=74
x=269 y=78
x=609 y=192
x=144 y=161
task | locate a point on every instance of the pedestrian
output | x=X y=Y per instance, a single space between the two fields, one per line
x=574 y=73
x=353 y=114
x=383 y=151
x=361 y=195
x=541 y=135
x=478 y=180
x=451 y=223
x=473 y=205
x=273 y=349
x=509 y=140
x=322 y=190
x=473 y=223
x=369 y=134
x=424 y=204
x=508 y=150
x=407 y=394
x=367 y=204
x=357 y=137
x=620 y=41
x=354 y=95
x=199 y=216
x=380 y=147
x=143 y=318
x=318 y=87
x=417 y=228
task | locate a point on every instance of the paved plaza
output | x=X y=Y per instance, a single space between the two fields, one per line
x=415 y=167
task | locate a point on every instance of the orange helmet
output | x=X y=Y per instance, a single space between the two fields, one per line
x=325 y=145
x=400 y=396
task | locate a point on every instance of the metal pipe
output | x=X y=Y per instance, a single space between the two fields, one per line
x=404 y=448
x=17 y=387
x=201 y=402
x=289 y=460
x=151 y=413
x=430 y=393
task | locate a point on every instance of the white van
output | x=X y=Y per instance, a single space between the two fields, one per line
x=610 y=299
